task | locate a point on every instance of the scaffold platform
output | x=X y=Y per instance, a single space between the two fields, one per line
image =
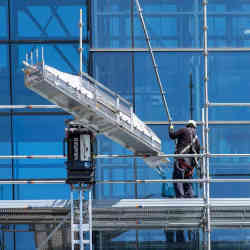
x=94 y=106
x=110 y=215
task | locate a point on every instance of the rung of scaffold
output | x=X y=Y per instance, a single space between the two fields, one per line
x=32 y=157
x=213 y=104
x=76 y=227
x=83 y=241
x=29 y=106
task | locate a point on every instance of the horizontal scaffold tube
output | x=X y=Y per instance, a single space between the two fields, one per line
x=32 y=157
x=198 y=122
x=214 y=104
x=63 y=181
x=121 y=156
x=172 y=181
x=33 y=181
x=28 y=106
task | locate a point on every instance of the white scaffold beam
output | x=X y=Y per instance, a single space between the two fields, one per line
x=29 y=107
x=116 y=156
x=213 y=104
x=142 y=181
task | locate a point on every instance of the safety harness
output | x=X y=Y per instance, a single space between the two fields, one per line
x=188 y=169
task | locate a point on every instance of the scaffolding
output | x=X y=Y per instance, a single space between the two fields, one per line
x=125 y=214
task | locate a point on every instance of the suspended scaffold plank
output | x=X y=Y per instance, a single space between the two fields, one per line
x=96 y=107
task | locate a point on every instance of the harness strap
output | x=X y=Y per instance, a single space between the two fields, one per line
x=188 y=169
x=189 y=145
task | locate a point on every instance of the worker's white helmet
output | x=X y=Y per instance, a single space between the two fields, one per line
x=191 y=123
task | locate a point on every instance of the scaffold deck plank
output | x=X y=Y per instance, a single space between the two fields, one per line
x=93 y=105
x=133 y=213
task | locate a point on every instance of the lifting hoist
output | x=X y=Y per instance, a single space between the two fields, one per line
x=81 y=148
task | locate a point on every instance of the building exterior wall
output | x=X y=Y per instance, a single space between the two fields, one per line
x=115 y=53
x=121 y=60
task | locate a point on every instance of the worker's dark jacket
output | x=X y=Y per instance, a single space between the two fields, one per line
x=184 y=137
x=184 y=166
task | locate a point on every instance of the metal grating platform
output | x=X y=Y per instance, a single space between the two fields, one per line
x=131 y=214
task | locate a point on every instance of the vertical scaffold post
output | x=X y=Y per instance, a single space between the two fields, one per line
x=37 y=56
x=43 y=63
x=31 y=57
x=80 y=40
x=208 y=220
x=90 y=218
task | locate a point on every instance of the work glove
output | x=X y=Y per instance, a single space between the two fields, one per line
x=171 y=127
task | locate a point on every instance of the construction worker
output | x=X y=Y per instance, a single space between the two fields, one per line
x=187 y=143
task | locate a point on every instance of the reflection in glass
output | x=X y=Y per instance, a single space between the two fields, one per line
x=47 y=20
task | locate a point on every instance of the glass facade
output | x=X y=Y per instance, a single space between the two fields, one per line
x=116 y=54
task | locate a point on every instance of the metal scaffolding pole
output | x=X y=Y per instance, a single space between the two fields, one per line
x=213 y=104
x=203 y=169
x=80 y=47
x=199 y=122
x=32 y=157
x=208 y=219
x=28 y=106
x=153 y=60
x=81 y=218
x=138 y=181
x=2 y=157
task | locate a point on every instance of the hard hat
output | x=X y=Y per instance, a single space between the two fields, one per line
x=191 y=123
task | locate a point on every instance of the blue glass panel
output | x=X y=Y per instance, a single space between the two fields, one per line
x=8 y=238
x=114 y=71
x=147 y=239
x=231 y=238
x=4 y=19
x=4 y=76
x=225 y=138
x=64 y=57
x=24 y=240
x=230 y=189
x=156 y=239
x=149 y=190
x=229 y=81
x=174 y=70
x=47 y=19
x=113 y=169
x=169 y=23
x=230 y=139
x=112 y=23
x=228 y=23
x=39 y=135
x=5 y=164
x=175 y=79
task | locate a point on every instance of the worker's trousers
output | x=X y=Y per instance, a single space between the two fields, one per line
x=182 y=190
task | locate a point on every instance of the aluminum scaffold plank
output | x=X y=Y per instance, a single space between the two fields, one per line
x=108 y=215
x=95 y=107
